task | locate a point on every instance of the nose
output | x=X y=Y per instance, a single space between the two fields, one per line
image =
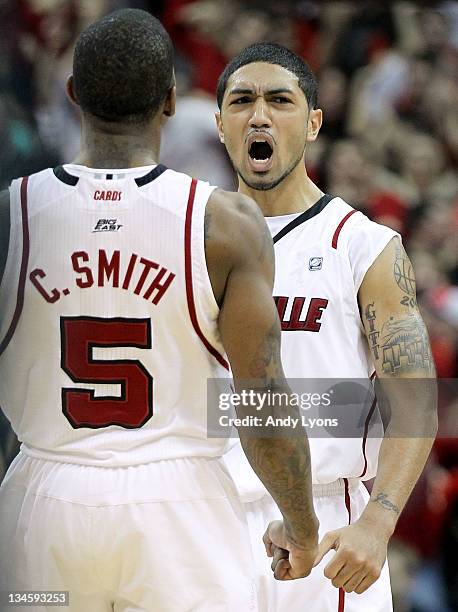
x=261 y=116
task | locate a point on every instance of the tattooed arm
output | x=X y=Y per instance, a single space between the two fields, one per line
x=399 y=343
x=398 y=339
x=240 y=261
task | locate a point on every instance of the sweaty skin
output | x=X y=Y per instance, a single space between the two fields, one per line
x=265 y=101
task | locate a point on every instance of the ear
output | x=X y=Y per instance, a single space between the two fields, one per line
x=170 y=102
x=314 y=124
x=219 y=125
x=70 y=88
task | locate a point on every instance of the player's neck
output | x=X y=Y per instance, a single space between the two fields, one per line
x=118 y=146
x=295 y=194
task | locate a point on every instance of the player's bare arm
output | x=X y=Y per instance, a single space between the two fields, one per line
x=392 y=321
x=240 y=260
x=4 y=228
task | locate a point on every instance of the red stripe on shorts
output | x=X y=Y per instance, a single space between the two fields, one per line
x=341 y=607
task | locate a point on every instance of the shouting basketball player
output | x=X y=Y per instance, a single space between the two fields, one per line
x=115 y=309
x=345 y=294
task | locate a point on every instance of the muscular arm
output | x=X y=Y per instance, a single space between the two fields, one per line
x=240 y=260
x=405 y=370
x=4 y=228
x=406 y=389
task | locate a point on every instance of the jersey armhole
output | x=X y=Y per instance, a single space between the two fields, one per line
x=5 y=220
x=196 y=272
x=18 y=241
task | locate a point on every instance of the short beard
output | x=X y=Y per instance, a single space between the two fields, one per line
x=268 y=186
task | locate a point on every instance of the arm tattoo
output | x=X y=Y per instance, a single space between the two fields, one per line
x=265 y=364
x=373 y=335
x=402 y=343
x=403 y=272
x=405 y=345
x=284 y=467
x=282 y=463
x=382 y=499
x=410 y=302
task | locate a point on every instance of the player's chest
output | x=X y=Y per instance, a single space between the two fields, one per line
x=312 y=284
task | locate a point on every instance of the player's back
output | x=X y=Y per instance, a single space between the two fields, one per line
x=108 y=321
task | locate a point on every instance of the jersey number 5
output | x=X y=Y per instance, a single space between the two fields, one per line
x=79 y=336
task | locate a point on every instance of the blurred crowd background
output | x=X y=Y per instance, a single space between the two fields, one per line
x=388 y=87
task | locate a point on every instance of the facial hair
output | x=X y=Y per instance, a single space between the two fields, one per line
x=263 y=186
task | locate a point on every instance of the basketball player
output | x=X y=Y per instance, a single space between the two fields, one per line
x=345 y=293
x=114 y=313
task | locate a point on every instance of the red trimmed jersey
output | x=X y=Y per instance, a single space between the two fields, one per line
x=108 y=328
x=321 y=258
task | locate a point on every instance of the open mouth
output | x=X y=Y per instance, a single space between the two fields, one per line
x=260 y=154
x=260 y=151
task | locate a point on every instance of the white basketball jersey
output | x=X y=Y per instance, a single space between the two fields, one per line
x=321 y=257
x=108 y=321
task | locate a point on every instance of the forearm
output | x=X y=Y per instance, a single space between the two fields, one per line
x=409 y=407
x=283 y=465
x=401 y=462
x=279 y=454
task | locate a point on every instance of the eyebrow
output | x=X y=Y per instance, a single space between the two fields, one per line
x=269 y=92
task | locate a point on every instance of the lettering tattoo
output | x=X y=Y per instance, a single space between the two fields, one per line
x=382 y=499
x=373 y=334
x=410 y=302
x=402 y=344
x=403 y=271
x=405 y=345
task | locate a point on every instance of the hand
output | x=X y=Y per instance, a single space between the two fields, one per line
x=290 y=559
x=359 y=558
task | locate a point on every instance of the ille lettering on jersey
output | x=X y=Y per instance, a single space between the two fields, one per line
x=311 y=322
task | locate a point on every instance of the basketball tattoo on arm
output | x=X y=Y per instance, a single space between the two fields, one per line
x=401 y=342
x=398 y=338
x=404 y=276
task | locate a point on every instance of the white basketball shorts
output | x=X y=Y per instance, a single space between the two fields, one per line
x=168 y=536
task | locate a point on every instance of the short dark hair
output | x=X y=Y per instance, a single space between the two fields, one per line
x=123 y=67
x=271 y=53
